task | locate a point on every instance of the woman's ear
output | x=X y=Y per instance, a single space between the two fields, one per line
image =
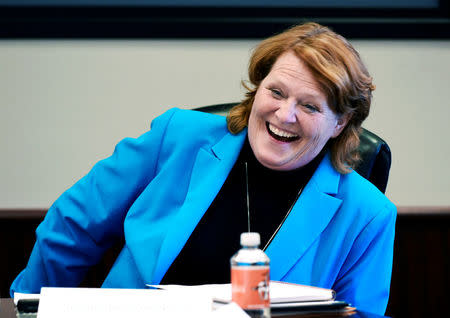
x=341 y=122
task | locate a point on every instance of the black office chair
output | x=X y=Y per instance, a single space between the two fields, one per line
x=375 y=153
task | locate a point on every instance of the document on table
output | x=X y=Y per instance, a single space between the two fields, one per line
x=285 y=298
x=173 y=300
x=115 y=303
x=280 y=292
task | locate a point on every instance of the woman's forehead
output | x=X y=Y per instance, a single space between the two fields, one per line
x=291 y=71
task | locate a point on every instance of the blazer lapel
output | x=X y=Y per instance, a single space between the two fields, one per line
x=308 y=218
x=209 y=172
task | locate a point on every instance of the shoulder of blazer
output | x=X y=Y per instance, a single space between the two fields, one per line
x=200 y=119
x=363 y=194
x=196 y=127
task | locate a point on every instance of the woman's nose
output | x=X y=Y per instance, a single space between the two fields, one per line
x=287 y=113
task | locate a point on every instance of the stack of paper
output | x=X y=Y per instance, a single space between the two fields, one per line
x=178 y=300
x=118 y=303
x=284 y=297
x=281 y=292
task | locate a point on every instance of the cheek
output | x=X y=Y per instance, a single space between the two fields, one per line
x=310 y=127
x=264 y=104
x=252 y=119
x=318 y=130
x=254 y=125
x=258 y=116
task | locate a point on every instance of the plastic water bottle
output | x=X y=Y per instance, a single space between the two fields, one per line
x=250 y=277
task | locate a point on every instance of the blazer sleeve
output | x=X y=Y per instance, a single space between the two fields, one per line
x=364 y=279
x=87 y=218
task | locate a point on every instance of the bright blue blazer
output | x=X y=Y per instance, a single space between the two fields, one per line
x=153 y=190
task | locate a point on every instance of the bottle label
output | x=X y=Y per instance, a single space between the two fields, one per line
x=250 y=286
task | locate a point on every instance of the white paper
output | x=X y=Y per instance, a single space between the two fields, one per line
x=230 y=310
x=166 y=301
x=302 y=304
x=280 y=292
x=119 y=303
x=208 y=290
x=285 y=292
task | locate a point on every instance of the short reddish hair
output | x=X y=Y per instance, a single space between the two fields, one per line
x=338 y=69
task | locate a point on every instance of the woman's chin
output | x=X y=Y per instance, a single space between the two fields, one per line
x=274 y=163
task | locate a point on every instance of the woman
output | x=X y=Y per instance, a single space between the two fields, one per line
x=178 y=193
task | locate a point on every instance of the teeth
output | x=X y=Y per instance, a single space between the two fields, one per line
x=281 y=133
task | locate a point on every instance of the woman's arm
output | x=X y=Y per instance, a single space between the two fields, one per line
x=364 y=279
x=87 y=218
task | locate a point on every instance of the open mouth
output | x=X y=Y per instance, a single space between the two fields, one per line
x=281 y=135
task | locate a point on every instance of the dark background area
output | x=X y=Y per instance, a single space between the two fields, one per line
x=63 y=19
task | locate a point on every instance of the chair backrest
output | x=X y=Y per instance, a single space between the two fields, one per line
x=375 y=152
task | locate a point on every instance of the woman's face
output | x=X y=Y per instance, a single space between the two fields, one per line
x=290 y=121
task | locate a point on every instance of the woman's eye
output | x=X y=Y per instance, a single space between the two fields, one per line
x=276 y=93
x=311 y=108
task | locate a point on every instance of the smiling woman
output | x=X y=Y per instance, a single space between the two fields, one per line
x=291 y=121
x=333 y=80
x=177 y=196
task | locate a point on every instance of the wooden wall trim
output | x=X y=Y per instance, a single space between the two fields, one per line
x=39 y=213
x=419 y=210
x=17 y=213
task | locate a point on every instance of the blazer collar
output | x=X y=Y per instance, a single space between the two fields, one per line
x=211 y=168
x=310 y=215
